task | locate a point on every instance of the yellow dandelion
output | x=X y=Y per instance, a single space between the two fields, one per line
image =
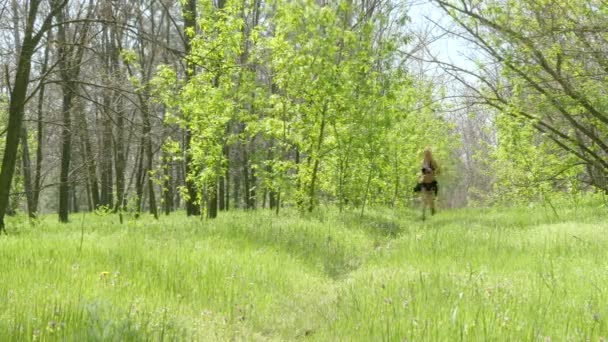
x=103 y=274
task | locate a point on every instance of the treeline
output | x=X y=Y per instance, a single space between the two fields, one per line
x=164 y=105
x=161 y=105
x=536 y=95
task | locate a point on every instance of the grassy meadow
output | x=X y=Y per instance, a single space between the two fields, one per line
x=518 y=274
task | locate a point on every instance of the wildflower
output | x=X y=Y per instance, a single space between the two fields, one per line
x=51 y=327
x=103 y=274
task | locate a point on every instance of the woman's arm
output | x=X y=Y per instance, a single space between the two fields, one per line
x=436 y=168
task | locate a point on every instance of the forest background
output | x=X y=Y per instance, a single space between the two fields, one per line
x=209 y=106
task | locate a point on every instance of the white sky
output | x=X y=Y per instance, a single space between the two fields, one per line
x=426 y=16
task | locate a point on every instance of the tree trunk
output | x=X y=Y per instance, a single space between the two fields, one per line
x=39 y=128
x=189 y=15
x=25 y=155
x=89 y=160
x=222 y=182
x=87 y=188
x=74 y=207
x=167 y=184
x=27 y=173
x=273 y=200
x=236 y=186
x=299 y=199
x=212 y=200
x=17 y=100
x=227 y=189
x=120 y=163
x=192 y=206
x=39 y=139
x=119 y=146
x=145 y=173
x=107 y=140
x=251 y=203
x=66 y=146
x=246 y=180
x=70 y=57
x=315 y=169
x=147 y=140
x=106 y=159
x=139 y=180
x=179 y=179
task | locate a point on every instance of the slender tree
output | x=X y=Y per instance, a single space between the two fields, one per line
x=25 y=155
x=70 y=54
x=189 y=14
x=18 y=95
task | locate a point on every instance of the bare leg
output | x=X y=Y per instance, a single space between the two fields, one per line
x=427 y=201
x=422 y=204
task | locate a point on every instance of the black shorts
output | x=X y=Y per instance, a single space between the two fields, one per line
x=432 y=186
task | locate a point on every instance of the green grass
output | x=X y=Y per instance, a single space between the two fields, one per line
x=474 y=274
